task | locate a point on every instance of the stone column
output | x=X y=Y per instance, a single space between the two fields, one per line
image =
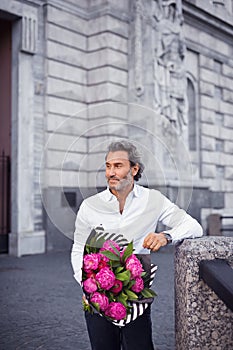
x=203 y=321
x=24 y=238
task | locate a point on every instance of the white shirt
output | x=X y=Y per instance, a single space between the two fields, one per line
x=144 y=209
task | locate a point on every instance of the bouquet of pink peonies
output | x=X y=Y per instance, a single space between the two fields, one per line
x=114 y=278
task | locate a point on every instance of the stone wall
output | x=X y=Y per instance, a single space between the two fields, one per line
x=209 y=65
x=85 y=73
x=202 y=320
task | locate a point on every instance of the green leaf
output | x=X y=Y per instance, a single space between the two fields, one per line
x=131 y=283
x=110 y=255
x=131 y=295
x=115 y=264
x=123 y=276
x=96 y=306
x=99 y=243
x=122 y=298
x=114 y=248
x=148 y=293
x=128 y=251
x=119 y=269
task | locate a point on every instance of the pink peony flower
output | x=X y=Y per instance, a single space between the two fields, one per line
x=134 y=266
x=103 y=261
x=91 y=274
x=118 y=285
x=106 y=278
x=138 y=285
x=108 y=246
x=91 y=262
x=100 y=299
x=117 y=311
x=90 y=285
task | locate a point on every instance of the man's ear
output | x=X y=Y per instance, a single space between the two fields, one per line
x=135 y=169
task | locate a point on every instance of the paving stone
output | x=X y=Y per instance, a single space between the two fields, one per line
x=41 y=303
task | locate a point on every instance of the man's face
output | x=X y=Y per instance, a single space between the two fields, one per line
x=118 y=172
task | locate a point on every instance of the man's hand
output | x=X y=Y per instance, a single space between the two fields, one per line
x=154 y=241
x=85 y=301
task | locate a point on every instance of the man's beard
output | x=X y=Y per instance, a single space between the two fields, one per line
x=122 y=183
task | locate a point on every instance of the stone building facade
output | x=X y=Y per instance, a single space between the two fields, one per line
x=86 y=72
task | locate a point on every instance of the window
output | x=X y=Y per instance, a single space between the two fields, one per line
x=192 y=122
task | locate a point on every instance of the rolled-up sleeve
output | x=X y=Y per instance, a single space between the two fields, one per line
x=82 y=231
x=181 y=225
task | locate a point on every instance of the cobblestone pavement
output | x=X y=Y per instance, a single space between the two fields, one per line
x=40 y=303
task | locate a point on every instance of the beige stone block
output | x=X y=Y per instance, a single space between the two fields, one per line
x=227 y=70
x=228 y=96
x=66 y=72
x=97 y=179
x=208 y=143
x=118 y=5
x=228 y=121
x=229 y=200
x=206 y=88
x=107 y=109
x=64 y=178
x=66 y=54
x=211 y=157
x=66 y=160
x=108 y=23
x=228 y=185
x=66 y=20
x=228 y=147
x=66 y=143
x=229 y=172
x=65 y=36
x=226 y=82
x=208 y=170
x=107 y=128
x=225 y=159
x=100 y=143
x=67 y=125
x=226 y=133
x=67 y=90
x=96 y=161
x=210 y=42
x=210 y=103
x=225 y=107
x=107 y=39
x=64 y=107
x=206 y=61
x=106 y=57
x=210 y=130
x=106 y=91
x=207 y=116
x=209 y=76
x=107 y=74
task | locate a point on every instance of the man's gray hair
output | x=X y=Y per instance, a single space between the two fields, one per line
x=133 y=154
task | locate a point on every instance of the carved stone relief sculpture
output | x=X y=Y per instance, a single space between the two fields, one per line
x=170 y=93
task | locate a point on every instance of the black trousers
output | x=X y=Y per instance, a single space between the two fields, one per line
x=104 y=335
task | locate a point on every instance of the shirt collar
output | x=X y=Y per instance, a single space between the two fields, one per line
x=109 y=196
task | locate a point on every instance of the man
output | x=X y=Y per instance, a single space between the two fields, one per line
x=134 y=211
